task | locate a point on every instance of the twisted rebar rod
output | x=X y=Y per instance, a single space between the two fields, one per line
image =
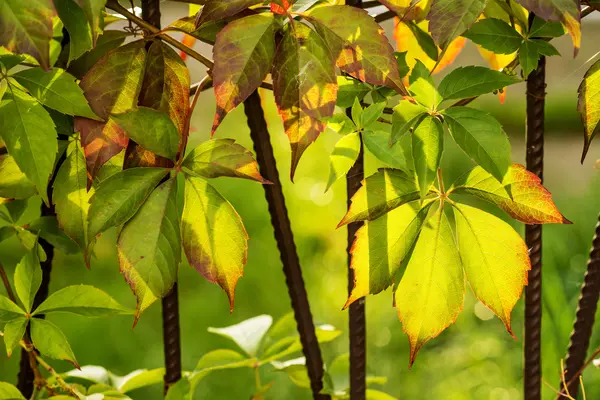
x=285 y=243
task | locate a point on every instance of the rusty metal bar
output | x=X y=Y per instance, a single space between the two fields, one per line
x=285 y=243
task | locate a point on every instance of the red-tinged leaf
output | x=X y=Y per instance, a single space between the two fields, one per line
x=137 y=156
x=215 y=10
x=521 y=194
x=305 y=87
x=361 y=47
x=588 y=105
x=449 y=19
x=243 y=54
x=280 y=9
x=563 y=11
x=26 y=28
x=214 y=238
x=430 y=294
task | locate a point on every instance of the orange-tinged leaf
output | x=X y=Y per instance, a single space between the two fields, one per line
x=305 y=87
x=243 y=54
x=495 y=259
x=588 y=105
x=280 y=9
x=361 y=47
x=188 y=41
x=431 y=292
x=214 y=238
x=521 y=194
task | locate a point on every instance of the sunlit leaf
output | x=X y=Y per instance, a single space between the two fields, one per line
x=472 y=81
x=247 y=334
x=448 y=19
x=222 y=157
x=520 y=194
x=405 y=117
x=13 y=182
x=10 y=392
x=431 y=292
x=93 y=10
x=427 y=147
x=215 y=10
x=348 y=90
x=423 y=88
x=214 y=238
x=218 y=360
x=495 y=259
x=343 y=156
x=243 y=54
x=588 y=105
x=425 y=41
x=28 y=278
x=377 y=141
x=361 y=48
x=13 y=334
x=9 y=310
x=50 y=341
x=180 y=390
x=495 y=35
x=408 y=9
x=81 y=300
x=80 y=31
x=341 y=123
x=141 y=378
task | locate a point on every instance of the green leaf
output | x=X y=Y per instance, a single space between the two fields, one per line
x=47 y=228
x=495 y=35
x=9 y=60
x=588 y=105
x=472 y=81
x=305 y=87
x=27 y=28
x=343 y=157
x=207 y=32
x=80 y=32
x=427 y=148
x=28 y=278
x=545 y=29
x=377 y=395
x=81 y=300
x=11 y=211
x=247 y=334
x=6 y=232
x=149 y=246
x=356 y=113
x=215 y=10
x=361 y=48
x=431 y=292
x=340 y=123
x=56 y=89
x=3 y=85
x=495 y=259
x=109 y=40
x=152 y=129
x=295 y=370
x=378 y=143
x=381 y=245
x=349 y=89
x=403 y=67
x=218 y=360
x=222 y=157
x=119 y=197
x=93 y=10
x=180 y=390
x=29 y=241
x=30 y=137
x=141 y=378
x=13 y=334
x=449 y=19
x=481 y=137
x=379 y=194
x=70 y=196
x=425 y=41
x=50 y=341
x=545 y=48
x=405 y=117
x=372 y=113
x=423 y=88
x=528 y=57
x=10 y=392
x=214 y=238
x=243 y=54
x=9 y=310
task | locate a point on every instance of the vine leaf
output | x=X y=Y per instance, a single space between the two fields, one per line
x=47 y=228
x=222 y=157
x=521 y=194
x=377 y=141
x=28 y=278
x=106 y=42
x=449 y=19
x=248 y=334
x=343 y=157
x=93 y=10
x=380 y=247
x=495 y=259
x=361 y=48
x=423 y=88
x=26 y=28
x=588 y=105
x=305 y=87
x=30 y=137
x=84 y=300
x=50 y=341
x=348 y=90
x=217 y=360
x=495 y=35
x=215 y=10
x=13 y=182
x=149 y=246
x=243 y=54
x=405 y=117
x=119 y=197
x=431 y=292
x=13 y=334
x=380 y=193
x=9 y=310
x=427 y=147
x=472 y=81
x=481 y=137
x=214 y=238
x=75 y=21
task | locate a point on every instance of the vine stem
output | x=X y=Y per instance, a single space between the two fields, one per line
x=285 y=243
x=9 y=291
x=536 y=93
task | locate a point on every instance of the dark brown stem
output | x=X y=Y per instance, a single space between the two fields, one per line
x=285 y=243
x=536 y=93
x=584 y=320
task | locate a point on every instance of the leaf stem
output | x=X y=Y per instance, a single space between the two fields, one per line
x=441 y=183
x=9 y=291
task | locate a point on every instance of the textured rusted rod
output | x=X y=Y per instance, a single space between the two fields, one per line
x=285 y=243
x=584 y=320
x=536 y=92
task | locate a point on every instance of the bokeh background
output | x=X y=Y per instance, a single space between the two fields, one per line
x=473 y=359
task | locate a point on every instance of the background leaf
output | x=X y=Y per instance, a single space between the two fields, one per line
x=588 y=105
x=247 y=334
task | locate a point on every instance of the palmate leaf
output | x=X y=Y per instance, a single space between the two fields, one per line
x=13 y=182
x=495 y=259
x=448 y=19
x=26 y=28
x=80 y=31
x=423 y=88
x=28 y=278
x=348 y=90
x=82 y=300
x=377 y=141
x=50 y=341
x=8 y=391
x=243 y=54
x=149 y=246
x=521 y=194
x=9 y=310
x=361 y=48
x=215 y=10
x=305 y=87
x=214 y=238
x=588 y=105
x=106 y=42
x=495 y=35
x=427 y=148
x=431 y=292
x=343 y=156
x=405 y=117
x=472 y=81
x=93 y=10
x=13 y=334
